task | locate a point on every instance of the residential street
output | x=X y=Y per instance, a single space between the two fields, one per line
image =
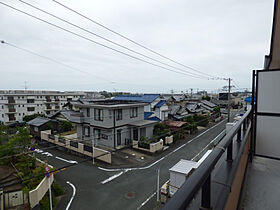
x=121 y=188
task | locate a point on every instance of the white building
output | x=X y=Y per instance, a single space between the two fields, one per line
x=15 y=104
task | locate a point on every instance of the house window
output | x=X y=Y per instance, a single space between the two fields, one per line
x=133 y=112
x=119 y=114
x=98 y=114
x=88 y=112
x=22 y=105
x=18 y=105
x=97 y=133
x=36 y=129
x=19 y=114
x=86 y=131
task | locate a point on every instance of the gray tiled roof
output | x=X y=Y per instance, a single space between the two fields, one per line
x=38 y=121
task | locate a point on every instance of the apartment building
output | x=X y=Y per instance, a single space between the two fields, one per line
x=15 y=104
x=113 y=123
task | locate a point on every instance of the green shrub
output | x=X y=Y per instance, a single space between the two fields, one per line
x=201 y=120
x=189 y=119
x=45 y=202
x=65 y=126
x=57 y=189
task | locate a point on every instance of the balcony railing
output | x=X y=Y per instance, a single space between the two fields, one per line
x=223 y=165
x=11 y=110
x=11 y=119
x=11 y=101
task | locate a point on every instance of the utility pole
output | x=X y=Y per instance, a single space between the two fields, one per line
x=229 y=99
x=93 y=146
x=158 y=189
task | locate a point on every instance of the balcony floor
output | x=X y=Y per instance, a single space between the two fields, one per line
x=262 y=185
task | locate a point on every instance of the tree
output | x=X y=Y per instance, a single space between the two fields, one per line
x=65 y=126
x=207 y=98
x=189 y=119
x=161 y=130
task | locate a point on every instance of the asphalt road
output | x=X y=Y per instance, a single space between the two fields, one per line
x=129 y=188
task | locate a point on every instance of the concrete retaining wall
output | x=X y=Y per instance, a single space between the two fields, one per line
x=38 y=193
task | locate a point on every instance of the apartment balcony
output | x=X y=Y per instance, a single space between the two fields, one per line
x=51 y=102
x=12 y=119
x=48 y=101
x=52 y=108
x=11 y=110
x=217 y=182
x=233 y=176
x=11 y=101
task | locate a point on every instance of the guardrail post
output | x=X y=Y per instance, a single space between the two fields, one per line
x=239 y=135
x=229 y=151
x=206 y=194
x=245 y=124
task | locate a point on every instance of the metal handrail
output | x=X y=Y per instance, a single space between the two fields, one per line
x=195 y=182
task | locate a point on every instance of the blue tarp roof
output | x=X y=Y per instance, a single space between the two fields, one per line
x=154 y=119
x=160 y=103
x=248 y=99
x=147 y=115
x=148 y=98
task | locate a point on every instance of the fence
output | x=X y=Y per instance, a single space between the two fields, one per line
x=78 y=147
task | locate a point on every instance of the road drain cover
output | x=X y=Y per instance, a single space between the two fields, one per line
x=129 y=195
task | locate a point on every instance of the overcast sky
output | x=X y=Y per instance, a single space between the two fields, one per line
x=221 y=38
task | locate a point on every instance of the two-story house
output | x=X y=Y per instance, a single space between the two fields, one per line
x=155 y=104
x=113 y=123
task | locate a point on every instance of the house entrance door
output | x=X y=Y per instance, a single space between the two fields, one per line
x=119 y=137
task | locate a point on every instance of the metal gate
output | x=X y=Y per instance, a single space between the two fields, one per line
x=266 y=94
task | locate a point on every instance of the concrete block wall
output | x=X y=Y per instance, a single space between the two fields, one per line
x=38 y=193
x=106 y=156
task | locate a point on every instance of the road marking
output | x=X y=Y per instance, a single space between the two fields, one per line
x=149 y=198
x=146 y=201
x=68 y=161
x=47 y=153
x=73 y=195
x=162 y=158
x=112 y=177
x=38 y=150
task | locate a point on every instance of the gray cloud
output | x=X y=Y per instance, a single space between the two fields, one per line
x=222 y=38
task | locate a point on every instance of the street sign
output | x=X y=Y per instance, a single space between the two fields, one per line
x=47 y=171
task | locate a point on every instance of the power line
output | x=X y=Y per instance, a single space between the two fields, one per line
x=132 y=41
x=98 y=43
x=53 y=60
x=110 y=41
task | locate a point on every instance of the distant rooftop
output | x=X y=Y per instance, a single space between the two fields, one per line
x=40 y=92
x=148 y=98
x=109 y=103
